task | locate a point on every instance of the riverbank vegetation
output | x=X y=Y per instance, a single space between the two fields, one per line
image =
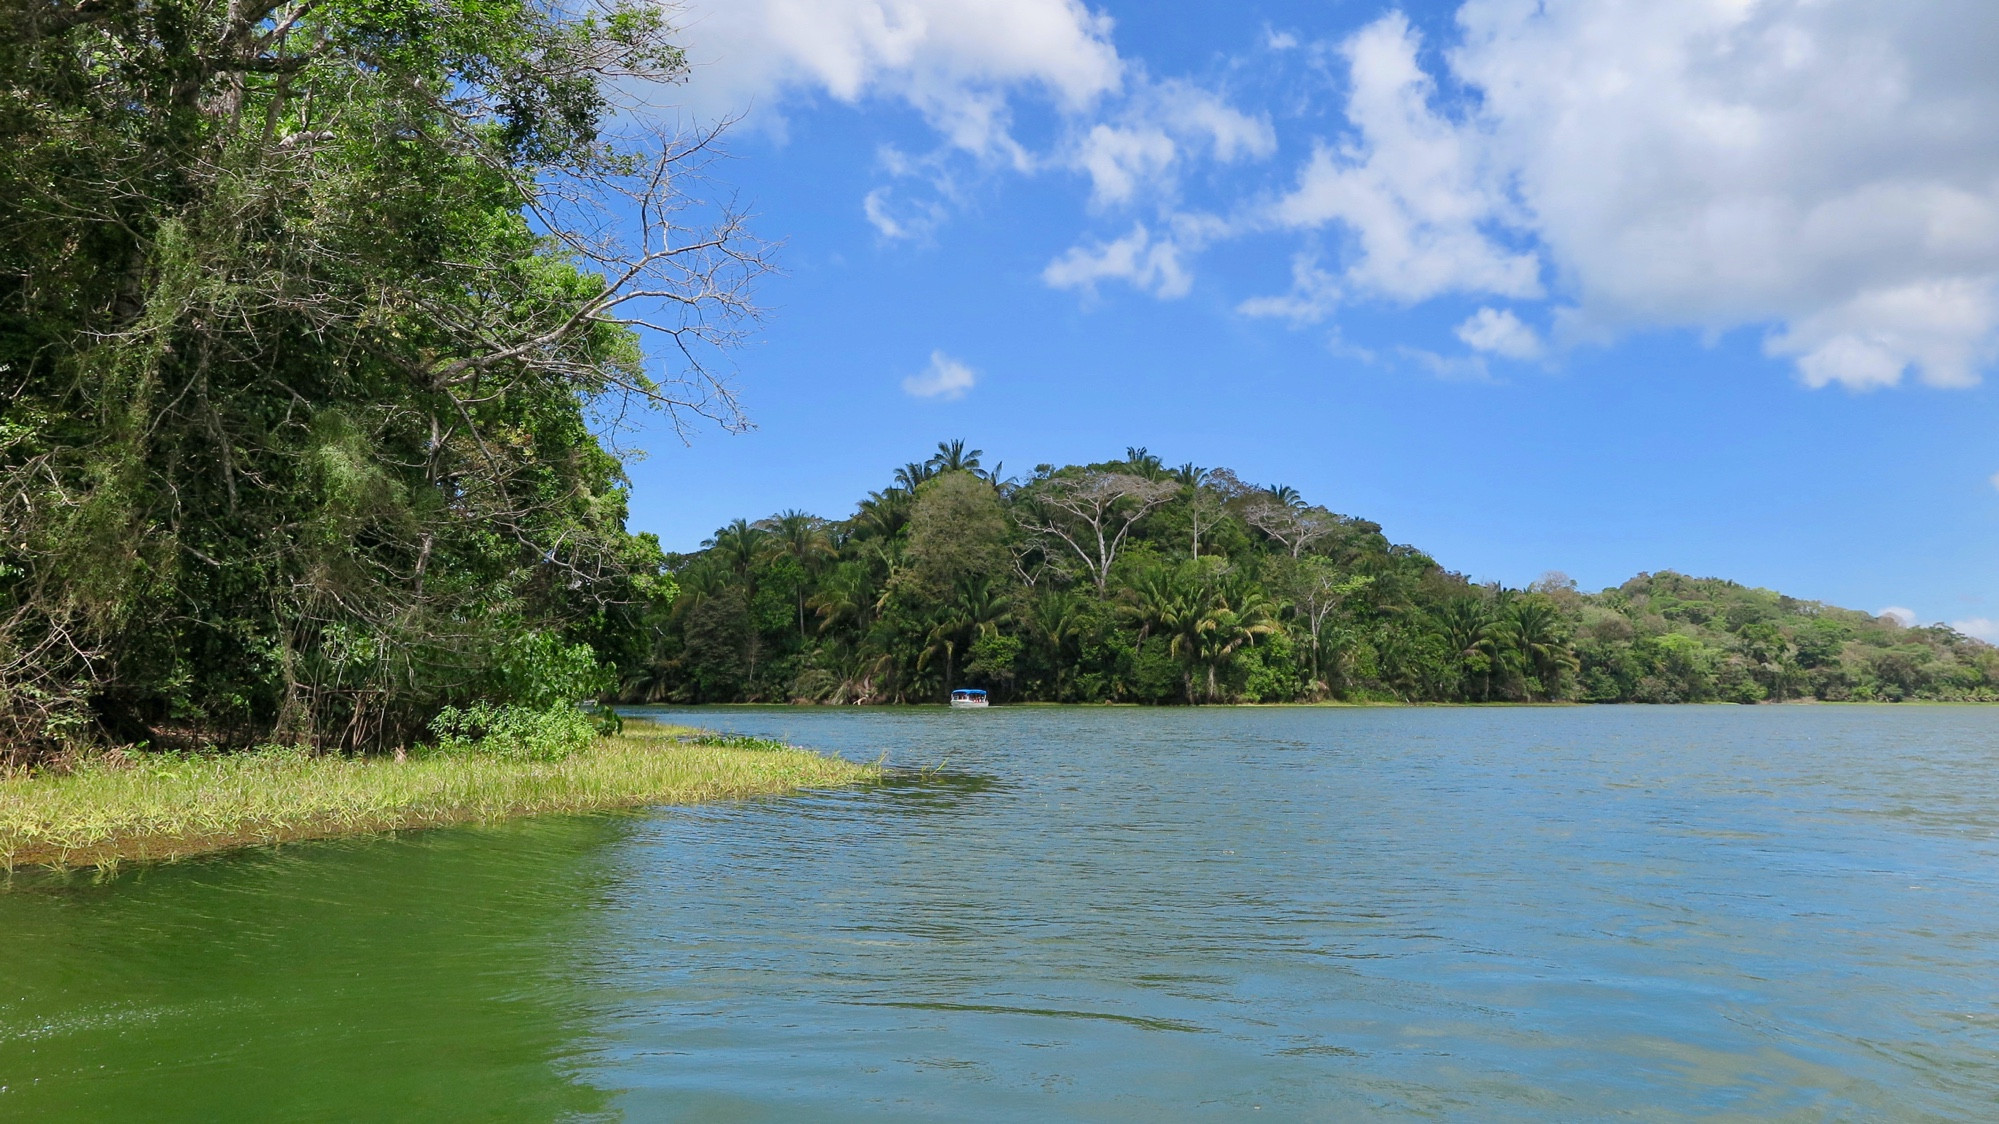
x=151 y=806
x=313 y=320
x=1130 y=580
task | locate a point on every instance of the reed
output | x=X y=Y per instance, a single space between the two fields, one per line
x=150 y=808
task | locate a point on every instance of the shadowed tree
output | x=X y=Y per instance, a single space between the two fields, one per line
x=310 y=315
x=1318 y=590
x=740 y=545
x=803 y=538
x=1541 y=633
x=883 y=515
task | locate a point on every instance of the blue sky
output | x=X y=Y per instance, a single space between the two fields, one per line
x=1485 y=274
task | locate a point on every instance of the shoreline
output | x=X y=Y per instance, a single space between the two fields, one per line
x=1329 y=704
x=182 y=807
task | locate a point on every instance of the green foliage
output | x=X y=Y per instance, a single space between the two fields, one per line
x=515 y=733
x=301 y=356
x=163 y=806
x=1667 y=637
x=951 y=577
x=741 y=741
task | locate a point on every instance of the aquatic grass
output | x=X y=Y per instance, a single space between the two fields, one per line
x=172 y=806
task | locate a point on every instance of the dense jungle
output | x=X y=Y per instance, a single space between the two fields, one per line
x=1132 y=581
x=318 y=323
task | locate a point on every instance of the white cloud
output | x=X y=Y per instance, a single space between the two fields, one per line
x=1314 y=294
x=1119 y=159
x=1205 y=118
x=1823 y=170
x=1160 y=127
x=1942 y=327
x=897 y=220
x=1413 y=187
x=1450 y=368
x=1501 y=333
x=962 y=64
x=954 y=61
x=1905 y=617
x=1828 y=167
x=945 y=378
x=1148 y=264
x=1995 y=479
x=1984 y=628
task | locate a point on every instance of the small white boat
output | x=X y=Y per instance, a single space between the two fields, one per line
x=968 y=697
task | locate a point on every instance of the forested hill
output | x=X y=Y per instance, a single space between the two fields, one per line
x=1129 y=581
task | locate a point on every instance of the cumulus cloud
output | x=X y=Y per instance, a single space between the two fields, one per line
x=1827 y=167
x=954 y=61
x=945 y=378
x=1822 y=170
x=1501 y=333
x=1146 y=263
x=1414 y=188
x=1984 y=628
x=1159 y=128
x=1119 y=158
x=962 y=64
x=1904 y=617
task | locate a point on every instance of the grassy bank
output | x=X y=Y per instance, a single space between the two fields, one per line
x=165 y=808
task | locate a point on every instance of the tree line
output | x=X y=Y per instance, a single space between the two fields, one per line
x=1132 y=581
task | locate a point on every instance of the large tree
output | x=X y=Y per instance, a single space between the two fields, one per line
x=310 y=314
x=1092 y=512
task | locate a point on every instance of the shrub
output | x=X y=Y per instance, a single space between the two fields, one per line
x=516 y=733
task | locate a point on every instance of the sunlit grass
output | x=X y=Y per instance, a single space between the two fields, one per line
x=170 y=807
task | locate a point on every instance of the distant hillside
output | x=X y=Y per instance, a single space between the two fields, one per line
x=1128 y=581
x=1667 y=637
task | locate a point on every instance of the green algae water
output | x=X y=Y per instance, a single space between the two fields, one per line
x=1524 y=914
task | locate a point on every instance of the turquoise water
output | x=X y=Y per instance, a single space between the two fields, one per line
x=1473 y=914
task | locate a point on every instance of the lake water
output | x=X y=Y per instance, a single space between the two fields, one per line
x=1472 y=914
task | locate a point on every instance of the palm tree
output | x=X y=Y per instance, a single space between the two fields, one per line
x=952 y=457
x=1541 y=633
x=976 y=609
x=740 y=544
x=1286 y=495
x=802 y=538
x=1143 y=463
x=1164 y=600
x=1057 y=619
x=844 y=597
x=883 y=514
x=1237 y=614
x=915 y=474
x=1476 y=636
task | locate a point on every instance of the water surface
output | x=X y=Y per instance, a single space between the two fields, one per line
x=1477 y=914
